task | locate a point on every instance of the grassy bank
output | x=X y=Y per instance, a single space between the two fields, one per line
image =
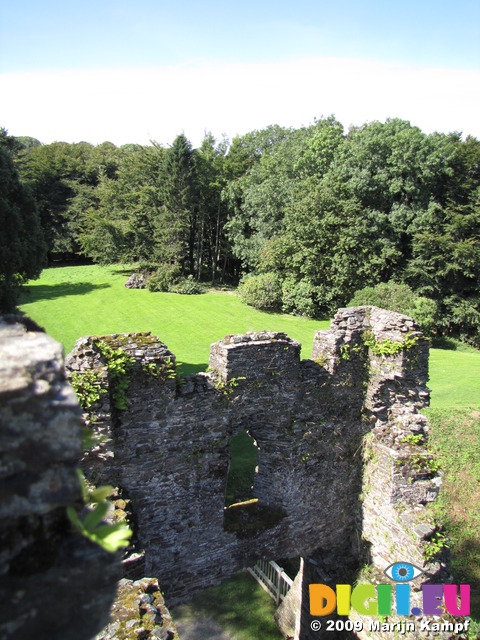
x=455 y=440
x=454 y=378
x=70 y=302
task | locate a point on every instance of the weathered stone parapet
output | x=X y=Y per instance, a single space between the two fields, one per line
x=379 y=358
x=256 y=355
x=346 y=328
x=171 y=455
x=53 y=582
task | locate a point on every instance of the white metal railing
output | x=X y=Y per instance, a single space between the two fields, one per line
x=272 y=579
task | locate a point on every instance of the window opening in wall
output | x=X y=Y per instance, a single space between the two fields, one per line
x=243 y=515
x=242 y=470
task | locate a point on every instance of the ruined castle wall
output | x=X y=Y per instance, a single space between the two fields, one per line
x=343 y=473
x=171 y=454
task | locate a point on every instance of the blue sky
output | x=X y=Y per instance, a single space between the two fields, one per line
x=134 y=71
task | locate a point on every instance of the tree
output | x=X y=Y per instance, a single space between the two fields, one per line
x=394 y=170
x=63 y=178
x=402 y=299
x=176 y=225
x=22 y=247
x=119 y=226
x=257 y=198
x=445 y=265
x=321 y=145
x=326 y=250
x=211 y=166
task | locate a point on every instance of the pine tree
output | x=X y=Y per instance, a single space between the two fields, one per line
x=177 y=222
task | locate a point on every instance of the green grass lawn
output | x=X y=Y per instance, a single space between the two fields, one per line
x=243 y=460
x=455 y=440
x=454 y=378
x=71 y=302
x=239 y=605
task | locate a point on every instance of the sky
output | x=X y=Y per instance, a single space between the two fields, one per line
x=132 y=72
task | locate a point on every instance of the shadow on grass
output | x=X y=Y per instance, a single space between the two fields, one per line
x=238 y=605
x=442 y=342
x=33 y=293
x=466 y=570
x=189 y=369
x=126 y=271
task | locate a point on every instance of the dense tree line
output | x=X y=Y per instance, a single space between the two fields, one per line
x=306 y=217
x=22 y=245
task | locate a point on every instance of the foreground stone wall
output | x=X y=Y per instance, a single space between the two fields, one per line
x=53 y=583
x=343 y=472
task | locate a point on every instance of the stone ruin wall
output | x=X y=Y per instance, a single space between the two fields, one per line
x=335 y=483
x=54 y=583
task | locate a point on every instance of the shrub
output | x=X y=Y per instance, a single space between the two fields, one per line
x=386 y=295
x=425 y=312
x=400 y=298
x=186 y=286
x=297 y=297
x=262 y=291
x=462 y=318
x=164 y=277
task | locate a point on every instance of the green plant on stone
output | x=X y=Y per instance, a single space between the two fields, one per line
x=321 y=360
x=180 y=380
x=86 y=385
x=162 y=371
x=432 y=465
x=345 y=351
x=358 y=349
x=92 y=525
x=419 y=464
x=226 y=388
x=370 y=454
x=426 y=465
x=435 y=546
x=91 y=437
x=118 y=364
x=412 y=439
x=387 y=347
x=410 y=341
x=384 y=348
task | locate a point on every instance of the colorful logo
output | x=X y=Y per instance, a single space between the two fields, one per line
x=376 y=600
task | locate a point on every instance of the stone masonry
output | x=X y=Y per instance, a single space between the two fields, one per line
x=54 y=583
x=341 y=480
